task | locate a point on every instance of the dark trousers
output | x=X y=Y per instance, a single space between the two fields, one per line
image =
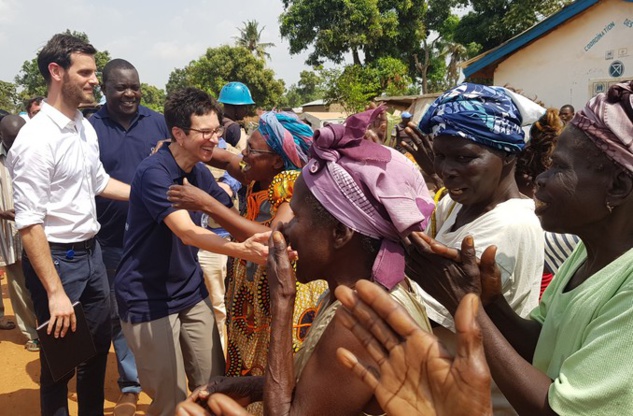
x=84 y=279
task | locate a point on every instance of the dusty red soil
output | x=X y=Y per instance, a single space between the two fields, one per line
x=20 y=374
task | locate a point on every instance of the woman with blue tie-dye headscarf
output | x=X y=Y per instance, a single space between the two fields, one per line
x=476 y=133
x=287 y=136
x=491 y=116
x=272 y=161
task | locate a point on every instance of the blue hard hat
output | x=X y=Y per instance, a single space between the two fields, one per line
x=235 y=93
x=406 y=114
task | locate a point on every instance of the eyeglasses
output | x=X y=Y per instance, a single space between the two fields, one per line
x=207 y=134
x=249 y=150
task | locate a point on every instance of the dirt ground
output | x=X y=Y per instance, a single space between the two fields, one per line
x=20 y=374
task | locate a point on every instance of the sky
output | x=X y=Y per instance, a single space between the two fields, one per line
x=155 y=36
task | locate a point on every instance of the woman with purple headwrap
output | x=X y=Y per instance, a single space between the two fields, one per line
x=353 y=205
x=570 y=356
x=269 y=165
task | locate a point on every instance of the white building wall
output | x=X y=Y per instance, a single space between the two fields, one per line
x=571 y=64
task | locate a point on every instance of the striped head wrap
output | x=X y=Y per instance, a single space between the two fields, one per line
x=287 y=136
x=491 y=116
x=608 y=121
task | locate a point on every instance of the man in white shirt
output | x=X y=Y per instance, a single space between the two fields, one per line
x=56 y=173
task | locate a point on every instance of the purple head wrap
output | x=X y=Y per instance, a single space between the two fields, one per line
x=608 y=121
x=370 y=188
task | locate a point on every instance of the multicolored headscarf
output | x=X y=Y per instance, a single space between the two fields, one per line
x=370 y=188
x=491 y=116
x=608 y=121
x=287 y=136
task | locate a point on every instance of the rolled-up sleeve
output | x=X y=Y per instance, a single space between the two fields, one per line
x=101 y=179
x=31 y=171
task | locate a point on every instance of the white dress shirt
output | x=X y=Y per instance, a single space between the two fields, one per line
x=56 y=171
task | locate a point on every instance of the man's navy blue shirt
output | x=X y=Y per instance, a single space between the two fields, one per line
x=158 y=274
x=121 y=152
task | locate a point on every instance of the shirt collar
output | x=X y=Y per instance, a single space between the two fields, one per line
x=103 y=112
x=60 y=118
x=3 y=151
x=175 y=171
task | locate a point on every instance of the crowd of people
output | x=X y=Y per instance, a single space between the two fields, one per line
x=475 y=262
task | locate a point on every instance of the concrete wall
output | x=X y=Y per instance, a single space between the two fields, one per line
x=571 y=63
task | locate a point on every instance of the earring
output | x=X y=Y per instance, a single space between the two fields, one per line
x=609 y=207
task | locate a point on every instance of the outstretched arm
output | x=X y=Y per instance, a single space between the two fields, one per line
x=179 y=222
x=525 y=387
x=229 y=162
x=116 y=190
x=189 y=197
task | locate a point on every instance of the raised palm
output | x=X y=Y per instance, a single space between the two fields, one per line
x=416 y=374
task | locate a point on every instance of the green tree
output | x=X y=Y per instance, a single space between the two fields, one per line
x=32 y=83
x=411 y=31
x=309 y=88
x=249 y=38
x=9 y=98
x=492 y=22
x=374 y=28
x=223 y=64
x=357 y=85
x=153 y=97
x=440 y=55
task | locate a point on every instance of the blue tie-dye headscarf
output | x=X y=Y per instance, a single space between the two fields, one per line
x=287 y=136
x=491 y=116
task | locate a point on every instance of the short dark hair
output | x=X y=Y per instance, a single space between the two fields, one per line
x=59 y=50
x=34 y=100
x=3 y=114
x=115 y=65
x=568 y=106
x=183 y=103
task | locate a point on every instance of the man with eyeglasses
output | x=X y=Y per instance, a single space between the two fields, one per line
x=127 y=132
x=164 y=306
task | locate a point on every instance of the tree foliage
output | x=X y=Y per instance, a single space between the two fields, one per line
x=357 y=85
x=375 y=28
x=9 y=98
x=440 y=57
x=152 y=97
x=492 y=22
x=426 y=35
x=311 y=86
x=224 y=64
x=249 y=38
x=32 y=82
x=418 y=33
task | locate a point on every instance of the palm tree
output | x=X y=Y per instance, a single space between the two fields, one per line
x=249 y=39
